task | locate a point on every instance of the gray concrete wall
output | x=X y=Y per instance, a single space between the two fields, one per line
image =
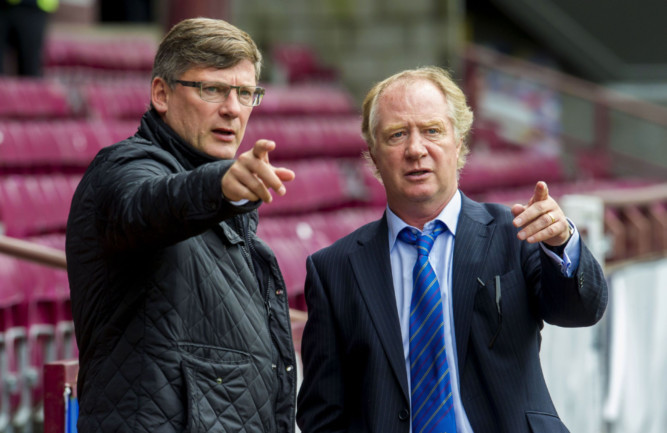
x=365 y=40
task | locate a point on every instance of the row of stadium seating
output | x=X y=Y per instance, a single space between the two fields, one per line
x=31 y=98
x=34 y=202
x=35 y=328
x=62 y=53
x=121 y=54
x=69 y=144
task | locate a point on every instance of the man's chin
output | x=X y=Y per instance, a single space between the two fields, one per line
x=222 y=151
x=418 y=194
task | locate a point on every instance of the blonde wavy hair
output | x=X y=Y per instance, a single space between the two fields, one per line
x=460 y=113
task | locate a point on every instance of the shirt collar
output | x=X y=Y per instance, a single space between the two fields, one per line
x=449 y=215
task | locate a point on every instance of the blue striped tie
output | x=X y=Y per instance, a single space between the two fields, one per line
x=431 y=398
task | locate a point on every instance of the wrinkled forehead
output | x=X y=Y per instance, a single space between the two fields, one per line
x=242 y=73
x=419 y=100
x=409 y=88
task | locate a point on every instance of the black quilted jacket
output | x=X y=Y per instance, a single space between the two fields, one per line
x=180 y=311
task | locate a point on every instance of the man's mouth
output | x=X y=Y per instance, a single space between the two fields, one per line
x=416 y=173
x=224 y=133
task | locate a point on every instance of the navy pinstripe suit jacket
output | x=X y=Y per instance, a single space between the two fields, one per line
x=354 y=369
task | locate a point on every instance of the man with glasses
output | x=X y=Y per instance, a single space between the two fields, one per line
x=180 y=311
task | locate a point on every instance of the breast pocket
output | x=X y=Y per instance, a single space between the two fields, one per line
x=495 y=299
x=545 y=423
x=221 y=387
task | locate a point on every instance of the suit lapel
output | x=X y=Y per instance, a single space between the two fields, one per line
x=473 y=236
x=372 y=269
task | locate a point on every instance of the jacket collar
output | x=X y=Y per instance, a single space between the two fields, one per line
x=160 y=134
x=372 y=268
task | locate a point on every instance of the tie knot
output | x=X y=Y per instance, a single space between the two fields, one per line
x=423 y=242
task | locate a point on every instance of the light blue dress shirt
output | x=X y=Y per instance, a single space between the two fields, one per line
x=403 y=257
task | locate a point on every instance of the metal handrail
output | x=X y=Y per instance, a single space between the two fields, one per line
x=565 y=83
x=606 y=112
x=54 y=257
x=33 y=252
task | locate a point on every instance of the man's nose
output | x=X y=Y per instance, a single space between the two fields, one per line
x=231 y=105
x=415 y=147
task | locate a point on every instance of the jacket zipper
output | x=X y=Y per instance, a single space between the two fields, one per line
x=266 y=276
x=251 y=253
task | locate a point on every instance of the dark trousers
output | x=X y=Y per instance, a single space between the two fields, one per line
x=22 y=31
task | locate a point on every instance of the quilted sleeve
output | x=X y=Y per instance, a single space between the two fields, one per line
x=143 y=199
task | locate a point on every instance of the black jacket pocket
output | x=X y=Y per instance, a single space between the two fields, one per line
x=218 y=391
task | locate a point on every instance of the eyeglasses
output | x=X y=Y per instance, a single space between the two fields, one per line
x=213 y=91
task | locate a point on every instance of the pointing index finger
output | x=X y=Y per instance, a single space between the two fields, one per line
x=541 y=192
x=262 y=148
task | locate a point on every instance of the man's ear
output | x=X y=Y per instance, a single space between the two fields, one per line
x=160 y=92
x=370 y=160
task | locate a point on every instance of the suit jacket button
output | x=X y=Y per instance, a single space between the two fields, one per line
x=404 y=415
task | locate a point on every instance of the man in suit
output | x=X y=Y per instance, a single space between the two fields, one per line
x=502 y=272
